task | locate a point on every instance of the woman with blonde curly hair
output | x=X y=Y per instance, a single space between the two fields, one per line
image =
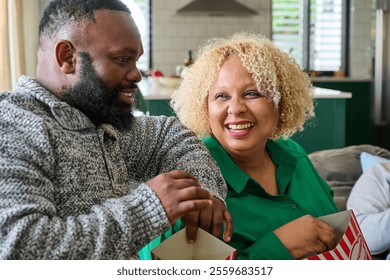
x=244 y=97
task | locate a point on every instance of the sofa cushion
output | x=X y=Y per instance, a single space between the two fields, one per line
x=342 y=167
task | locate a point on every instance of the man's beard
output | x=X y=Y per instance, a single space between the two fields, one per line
x=92 y=97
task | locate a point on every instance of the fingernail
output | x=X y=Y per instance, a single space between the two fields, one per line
x=191 y=241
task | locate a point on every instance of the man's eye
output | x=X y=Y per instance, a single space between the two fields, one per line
x=124 y=59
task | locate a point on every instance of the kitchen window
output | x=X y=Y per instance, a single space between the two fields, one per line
x=313 y=32
x=140 y=11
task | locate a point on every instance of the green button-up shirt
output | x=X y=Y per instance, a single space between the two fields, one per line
x=256 y=214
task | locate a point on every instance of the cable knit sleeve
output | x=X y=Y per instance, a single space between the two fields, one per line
x=171 y=146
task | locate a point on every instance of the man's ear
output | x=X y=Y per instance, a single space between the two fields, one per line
x=65 y=56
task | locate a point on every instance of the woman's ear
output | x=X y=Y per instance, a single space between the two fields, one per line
x=65 y=56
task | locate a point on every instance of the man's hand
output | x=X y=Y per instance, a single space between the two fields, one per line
x=179 y=193
x=211 y=220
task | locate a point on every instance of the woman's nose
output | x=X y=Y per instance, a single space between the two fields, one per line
x=237 y=106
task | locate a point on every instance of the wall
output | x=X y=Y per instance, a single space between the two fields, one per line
x=360 y=44
x=42 y=5
x=173 y=36
x=31 y=16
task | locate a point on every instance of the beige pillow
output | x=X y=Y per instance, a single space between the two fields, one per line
x=342 y=167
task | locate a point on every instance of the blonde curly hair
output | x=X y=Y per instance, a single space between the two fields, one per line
x=274 y=72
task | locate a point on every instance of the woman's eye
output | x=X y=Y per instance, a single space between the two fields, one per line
x=253 y=93
x=220 y=96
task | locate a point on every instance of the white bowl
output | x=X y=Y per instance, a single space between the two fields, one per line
x=155 y=81
x=169 y=82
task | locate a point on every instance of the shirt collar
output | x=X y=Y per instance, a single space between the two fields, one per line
x=285 y=161
x=66 y=115
x=237 y=179
x=232 y=174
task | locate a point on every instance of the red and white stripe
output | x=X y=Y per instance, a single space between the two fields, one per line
x=352 y=245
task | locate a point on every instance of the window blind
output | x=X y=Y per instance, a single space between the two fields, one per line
x=311 y=31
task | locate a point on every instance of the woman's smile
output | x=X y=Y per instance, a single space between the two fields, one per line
x=239 y=130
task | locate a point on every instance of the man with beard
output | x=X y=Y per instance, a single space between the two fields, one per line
x=70 y=149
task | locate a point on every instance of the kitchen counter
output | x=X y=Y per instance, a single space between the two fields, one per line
x=340 y=79
x=326 y=131
x=152 y=91
x=324 y=93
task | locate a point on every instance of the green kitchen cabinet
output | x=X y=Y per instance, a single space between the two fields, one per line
x=359 y=128
x=160 y=107
x=339 y=122
x=327 y=129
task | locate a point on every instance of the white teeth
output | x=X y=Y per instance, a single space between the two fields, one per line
x=127 y=94
x=240 y=126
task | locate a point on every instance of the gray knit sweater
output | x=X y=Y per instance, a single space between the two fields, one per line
x=65 y=185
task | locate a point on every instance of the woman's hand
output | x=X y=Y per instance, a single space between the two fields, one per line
x=306 y=236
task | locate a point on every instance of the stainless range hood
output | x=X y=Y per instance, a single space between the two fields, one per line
x=215 y=8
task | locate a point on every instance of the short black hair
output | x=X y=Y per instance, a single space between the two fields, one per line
x=59 y=13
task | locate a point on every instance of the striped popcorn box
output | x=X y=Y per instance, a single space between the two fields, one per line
x=351 y=243
x=206 y=247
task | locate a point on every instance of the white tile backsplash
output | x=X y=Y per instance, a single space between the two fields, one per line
x=173 y=36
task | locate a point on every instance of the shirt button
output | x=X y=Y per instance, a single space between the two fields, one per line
x=293 y=206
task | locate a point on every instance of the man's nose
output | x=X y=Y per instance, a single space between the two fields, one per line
x=134 y=75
